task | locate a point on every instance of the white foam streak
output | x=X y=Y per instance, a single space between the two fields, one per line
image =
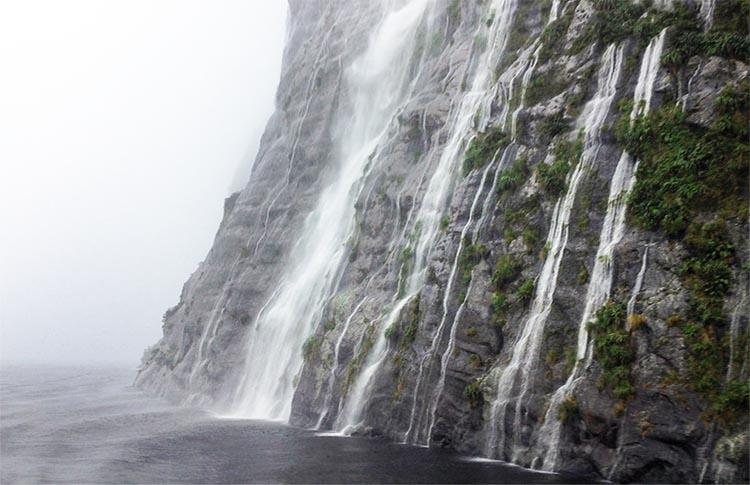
x=554 y=11
x=707 y=9
x=734 y=334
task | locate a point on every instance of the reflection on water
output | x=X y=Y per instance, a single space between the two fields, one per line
x=88 y=424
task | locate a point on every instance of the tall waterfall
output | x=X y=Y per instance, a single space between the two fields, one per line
x=513 y=383
x=282 y=184
x=524 y=68
x=421 y=419
x=472 y=111
x=613 y=228
x=379 y=83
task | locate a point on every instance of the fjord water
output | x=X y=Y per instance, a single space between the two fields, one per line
x=89 y=425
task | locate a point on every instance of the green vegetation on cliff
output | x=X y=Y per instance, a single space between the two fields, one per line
x=612 y=348
x=553 y=177
x=692 y=183
x=615 y=21
x=483 y=148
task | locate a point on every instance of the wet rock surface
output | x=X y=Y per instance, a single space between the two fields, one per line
x=448 y=344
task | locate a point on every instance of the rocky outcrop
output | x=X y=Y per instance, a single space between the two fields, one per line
x=467 y=142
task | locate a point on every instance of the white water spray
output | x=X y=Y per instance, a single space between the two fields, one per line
x=275 y=194
x=379 y=84
x=734 y=335
x=707 y=9
x=475 y=102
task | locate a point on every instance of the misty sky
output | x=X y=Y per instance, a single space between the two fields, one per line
x=123 y=125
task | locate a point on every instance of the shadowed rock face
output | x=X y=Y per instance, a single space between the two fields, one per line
x=425 y=310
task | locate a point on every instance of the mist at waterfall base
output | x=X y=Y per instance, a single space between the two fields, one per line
x=89 y=425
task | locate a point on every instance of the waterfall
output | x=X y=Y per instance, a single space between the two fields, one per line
x=473 y=110
x=734 y=334
x=707 y=11
x=554 y=11
x=379 y=83
x=332 y=374
x=392 y=252
x=613 y=228
x=445 y=358
x=526 y=348
x=639 y=278
x=204 y=343
x=530 y=66
x=685 y=97
x=525 y=70
x=429 y=356
x=524 y=67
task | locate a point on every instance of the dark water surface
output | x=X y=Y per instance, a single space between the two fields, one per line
x=88 y=425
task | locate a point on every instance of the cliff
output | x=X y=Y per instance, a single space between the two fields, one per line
x=517 y=229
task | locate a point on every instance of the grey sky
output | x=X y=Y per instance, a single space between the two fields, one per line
x=122 y=127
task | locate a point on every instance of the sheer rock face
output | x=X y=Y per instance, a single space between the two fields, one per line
x=658 y=434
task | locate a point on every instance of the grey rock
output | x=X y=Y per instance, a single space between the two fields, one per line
x=657 y=435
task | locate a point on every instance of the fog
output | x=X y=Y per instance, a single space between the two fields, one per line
x=123 y=125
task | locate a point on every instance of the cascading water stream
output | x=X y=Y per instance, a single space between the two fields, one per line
x=436 y=195
x=507 y=153
x=554 y=11
x=707 y=9
x=331 y=380
x=392 y=257
x=435 y=341
x=734 y=336
x=613 y=228
x=379 y=83
x=638 y=281
x=435 y=200
x=518 y=372
x=525 y=70
x=211 y=327
x=336 y=363
x=600 y=284
x=218 y=309
x=642 y=103
x=518 y=69
x=445 y=358
x=430 y=354
x=505 y=86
